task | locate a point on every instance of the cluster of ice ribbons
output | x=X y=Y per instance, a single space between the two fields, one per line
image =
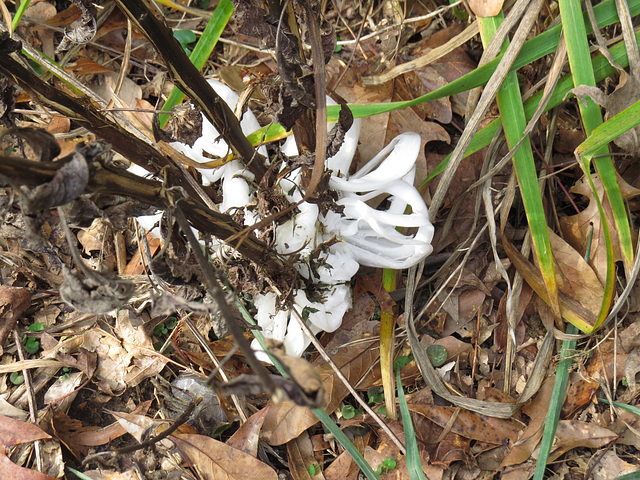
x=366 y=236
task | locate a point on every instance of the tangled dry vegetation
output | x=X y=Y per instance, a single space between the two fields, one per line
x=127 y=354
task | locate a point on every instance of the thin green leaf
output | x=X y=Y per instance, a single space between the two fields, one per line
x=629 y=408
x=202 y=51
x=19 y=13
x=555 y=405
x=80 y=475
x=514 y=124
x=582 y=73
x=414 y=466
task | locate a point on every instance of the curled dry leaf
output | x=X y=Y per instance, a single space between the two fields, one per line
x=13 y=302
x=285 y=421
x=215 y=459
x=575 y=276
x=572 y=434
x=14 y=432
x=67 y=184
x=247 y=436
x=126 y=362
x=471 y=425
x=94 y=293
x=587 y=225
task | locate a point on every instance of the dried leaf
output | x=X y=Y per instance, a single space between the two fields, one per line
x=611 y=466
x=285 y=421
x=10 y=471
x=498 y=431
x=572 y=434
x=14 y=432
x=247 y=436
x=578 y=229
x=486 y=8
x=574 y=276
x=139 y=426
x=122 y=364
x=86 y=362
x=13 y=303
x=215 y=460
x=536 y=410
x=300 y=457
x=66 y=185
x=95 y=293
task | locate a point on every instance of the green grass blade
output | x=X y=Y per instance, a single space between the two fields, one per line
x=582 y=73
x=346 y=443
x=414 y=466
x=601 y=69
x=629 y=408
x=80 y=475
x=609 y=131
x=555 y=405
x=532 y=50
x=202 y=51
x=19 y=13
x=514 y=123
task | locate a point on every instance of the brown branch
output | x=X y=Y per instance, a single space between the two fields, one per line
x=121 y=182
x=85 y=113
x=187 y=77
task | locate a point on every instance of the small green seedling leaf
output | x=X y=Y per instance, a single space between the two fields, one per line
x=65 y=374
x=402 y=361
x=219 y=430
x=171 y=323
x=437 y=355
x=313 y=470
x=36 y=327
x=31 y=345
x=387 y=465
x=376 y=394
x=348 y=412
x=185 y=37
x=160 y=330
x=16 y=378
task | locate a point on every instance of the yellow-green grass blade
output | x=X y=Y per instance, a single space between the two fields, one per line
x=555 y=405
x=201 y=52
x=514 y=122
x=19 y=13
x=534 y=49
x=609 y=131
x=582 y=73
x=387 y=326
x=599 y=138
x=601 y=68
